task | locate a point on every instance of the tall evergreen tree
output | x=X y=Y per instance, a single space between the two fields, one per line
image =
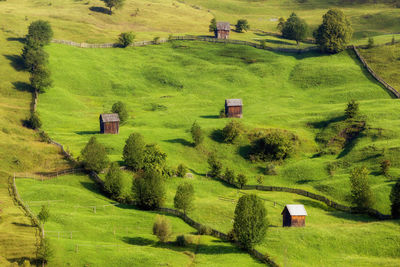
x=94 y=156
x=184 y=197
x=113 y=180
x=133 y=153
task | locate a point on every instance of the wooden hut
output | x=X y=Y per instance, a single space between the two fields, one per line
x=223 y=30
x=109 y=123
x=233 y=108
x=294 y=216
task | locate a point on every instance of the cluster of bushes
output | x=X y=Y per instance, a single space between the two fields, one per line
x=240 y=26
x=331 y=36
x=215 y=170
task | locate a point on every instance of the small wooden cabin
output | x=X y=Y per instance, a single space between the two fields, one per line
x=223 y=30
x=233 y=108
x=109 y=123
x=294 y=216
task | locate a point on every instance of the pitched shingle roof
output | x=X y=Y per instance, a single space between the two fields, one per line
x=296 y=210
x=225 y=26
x=113 y=117
x=233 y=102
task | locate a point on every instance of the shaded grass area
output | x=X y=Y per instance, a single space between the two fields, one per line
x=300 y=93
x=115 y=235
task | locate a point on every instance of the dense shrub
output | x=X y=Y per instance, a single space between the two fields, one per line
x=154 y=158
x=181 y=170
x=242 y=25
x=334 y=33
x=241 y=180
x=222 y=113
x=371 y=42
x=34 y=57
x=232 y=131
x=361 y=193
x=213 y=25
x=250 y=223
x=351 y=109
x=215 y=166
x=272 y=145
x=126 y=39
x=94 y=156
x=149 y=190
x=162 y=228
x=120 y=108
x=34 y=121
x=197 y=134
x=184 y=240
x=44 y=214
x=260 y=179
x=184 y=197
x=133 y=153
x=204 y=230
x=113 y=180
x=295 y=28
x=39 y=33
x=270 y=169
x=45 y=251
x=395 y=200
x=229 y=176
x=385 y=167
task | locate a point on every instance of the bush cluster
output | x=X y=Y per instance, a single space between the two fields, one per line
x=149 y=190
x=162 y=228
x=232 y=131
x=184 y=240
x=94 y=156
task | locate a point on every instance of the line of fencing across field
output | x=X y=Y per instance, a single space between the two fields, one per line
x=48 y=175
x=375 y=75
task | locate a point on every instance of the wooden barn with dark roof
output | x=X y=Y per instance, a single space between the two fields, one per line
x=223 y=30
x=294 y=215
x=109 y=123
x=233 y=108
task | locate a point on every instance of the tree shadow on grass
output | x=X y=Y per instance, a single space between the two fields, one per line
x=23 y=224
x=179 y=141
x=100 y=9
x=244 y=151
x=22 y=86
x=87 y=132
x=325 y=123
x=16 y=62
x=197 y=173
x=279 y=42
x=92 y=187
x=304 y=181
x=209 y=116
x=217 y=136
x=16 y=39
x=314 y=204
x=137 y=241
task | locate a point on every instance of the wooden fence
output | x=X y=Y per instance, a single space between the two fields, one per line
x=376 y=76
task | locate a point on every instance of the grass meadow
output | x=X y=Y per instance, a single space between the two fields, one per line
x=304 y=94
x=123 y=236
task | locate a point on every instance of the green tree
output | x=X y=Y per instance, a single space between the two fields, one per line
x=120 y=108
x=213 y=25
x=34 y=57
x=126 y=39
x=232 y=131
x=40 y=79
x=154 y=158
x=242 y=25
x=44 y=214
x=395 y=200
x=295 y=28
x=371 y=42
x=281 y=23
x=133 y=153
x=45 y=251
x=149 y=190
x=385 y=167
x=334 y=32
x=94 y=156
x=39 y=33
x=241 y=180
x=181 y=170
x=197 y=134
x=215 y=166
x=184 y=197
x=116 y=4
x=351 y=109
x=162 y=228
x=229 y=176
x=274 y=145
x=113 y=180
x=34 y=121
x=250 y=223
x=361 y=193
x=260 y=179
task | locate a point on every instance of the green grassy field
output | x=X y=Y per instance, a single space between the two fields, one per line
x=299 y=93
x=117 y=235
x=329 y=238
x=385 y=61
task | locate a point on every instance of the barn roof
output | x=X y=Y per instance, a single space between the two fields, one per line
x=113 y=117
x=233 y=102
x=296 y=210
x=225 y=26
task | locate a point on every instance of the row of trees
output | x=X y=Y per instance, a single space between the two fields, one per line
x=332 y=35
